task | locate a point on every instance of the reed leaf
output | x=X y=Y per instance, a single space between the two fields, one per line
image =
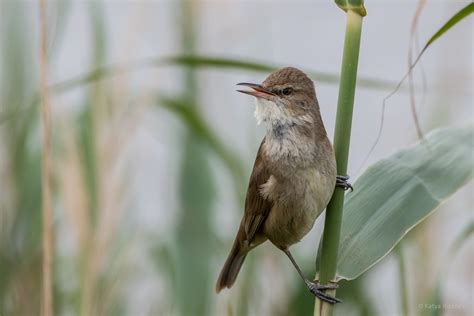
x=397 y=193
x=455 y=19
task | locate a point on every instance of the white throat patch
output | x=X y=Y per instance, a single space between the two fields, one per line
x=269 y=112
x=274 y=114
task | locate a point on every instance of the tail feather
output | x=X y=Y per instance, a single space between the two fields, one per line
x=231 y=267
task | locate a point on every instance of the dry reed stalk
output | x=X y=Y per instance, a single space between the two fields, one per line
x=114 y=133
x=72 y=187
x=47 y=213
x=413 y=29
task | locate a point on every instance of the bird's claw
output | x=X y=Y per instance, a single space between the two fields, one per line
x=341 y=181
x=317 y=290
x=331 y=286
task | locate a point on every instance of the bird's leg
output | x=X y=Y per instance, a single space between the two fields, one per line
x=341 y=181
x=315 y=288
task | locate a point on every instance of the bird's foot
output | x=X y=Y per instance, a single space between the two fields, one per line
x=331 y=286
x=341 y=181
x=318 y=291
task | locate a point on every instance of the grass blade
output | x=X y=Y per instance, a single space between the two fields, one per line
x=455 y=19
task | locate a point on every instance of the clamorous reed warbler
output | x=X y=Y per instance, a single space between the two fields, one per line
x=293 y=177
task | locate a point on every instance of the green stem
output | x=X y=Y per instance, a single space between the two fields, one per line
x=332 y=226
x=402 y=279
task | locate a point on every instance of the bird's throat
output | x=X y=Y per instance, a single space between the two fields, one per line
x=269 y=112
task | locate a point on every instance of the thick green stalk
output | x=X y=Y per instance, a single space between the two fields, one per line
x=332 y=226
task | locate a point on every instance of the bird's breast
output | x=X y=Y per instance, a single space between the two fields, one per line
x=287 y=148
x=297 y=201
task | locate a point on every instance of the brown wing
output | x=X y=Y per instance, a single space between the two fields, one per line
x=256 y=207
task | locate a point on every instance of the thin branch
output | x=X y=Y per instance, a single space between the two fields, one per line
x=424 y=86
x=47 y=303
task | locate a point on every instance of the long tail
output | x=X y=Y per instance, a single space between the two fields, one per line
x=231 y=266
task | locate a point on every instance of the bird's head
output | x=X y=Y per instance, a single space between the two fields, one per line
x=285 y=97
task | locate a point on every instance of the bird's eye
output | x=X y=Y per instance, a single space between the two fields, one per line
x=287 y=91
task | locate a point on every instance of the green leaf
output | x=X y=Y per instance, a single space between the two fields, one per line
x=460 y=15
x=397 y=193
x=196 y=61
x=217 y=62
x=464 y=12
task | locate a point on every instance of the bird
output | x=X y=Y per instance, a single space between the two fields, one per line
x=293 y=177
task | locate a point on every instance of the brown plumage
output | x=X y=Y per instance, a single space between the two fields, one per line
x=294 y=174
x=256 y=210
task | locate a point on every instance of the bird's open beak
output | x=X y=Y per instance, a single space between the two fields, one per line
x=258 y=91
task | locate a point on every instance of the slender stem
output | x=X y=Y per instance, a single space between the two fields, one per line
x=47 y=213
x=332 y=226
x=402 y=279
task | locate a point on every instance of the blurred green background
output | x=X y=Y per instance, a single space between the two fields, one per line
x=151 y=155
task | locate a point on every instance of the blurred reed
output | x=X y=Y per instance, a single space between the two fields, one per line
x=20 y=242
x=196 y=188
x=46 y=205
